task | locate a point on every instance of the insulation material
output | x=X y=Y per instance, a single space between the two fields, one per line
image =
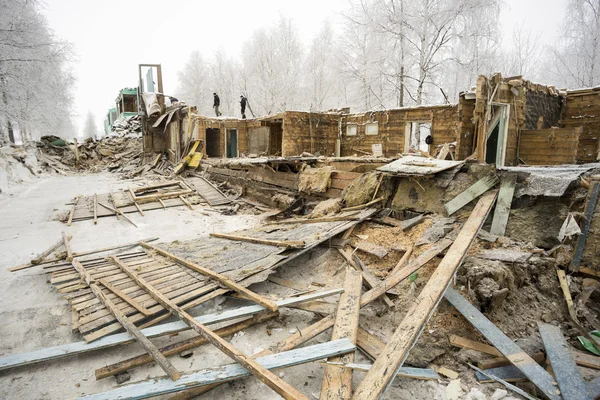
x=569 y=228
x=315 y=180
x=548 y=181
x=151 y=102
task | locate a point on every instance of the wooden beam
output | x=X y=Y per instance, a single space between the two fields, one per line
x=187 y=203
x=570 y=382
x=70 y=221
x=95 y=209
x=117 y=213
x=539 y=358
x=184 y=345
x=503 y=382
x=264 y=375
x=65 y=350
x=222 y=279
x=404 y=372
x=471 y=193
x=294 y=244
x=130 y=327
x=124 y=297
x=49 y=251
x=469 y=344
x=67 y=246
x=138 y=208
x=161 y=386
x=337 y=382
x=502 y=211
x=347 y=217
x=590 y=208
x=377 y=380
x=362 y=206
x=402 y=261
x=527 y=365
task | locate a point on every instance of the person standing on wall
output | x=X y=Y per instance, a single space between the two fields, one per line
x=216 y=104
x=243 y=102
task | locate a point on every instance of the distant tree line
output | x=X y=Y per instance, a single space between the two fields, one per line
x=392 y=53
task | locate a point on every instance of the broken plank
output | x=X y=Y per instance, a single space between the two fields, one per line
x=347 y=217
x=294 y=244
x=69 y=349
x=539 y=358
x=366 y=205
x=570 y=382
x=70 y=221
x=130 y=327
x=527 y=365
x=124 y=297
x=503 y=382
x=378 y=379
x=117 y=213
x=159 y=386
x=590 y=208
x=222 y=279
x=470 y=194
x=178 y=347
x=469 y=344
x=502 y=211
x=67 y=246
x=371 y=248
x=371 y=280
x=46 y=253
x=186 y=202
x=404 y=372
x=409 y=223
x=264 y=375
x=337 y=382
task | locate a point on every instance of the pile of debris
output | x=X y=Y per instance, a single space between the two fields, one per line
x=130 y=127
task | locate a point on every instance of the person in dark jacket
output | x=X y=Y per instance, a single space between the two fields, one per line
x=216 y=104
x=243 y=102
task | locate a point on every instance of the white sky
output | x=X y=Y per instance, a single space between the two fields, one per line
x=110 y=44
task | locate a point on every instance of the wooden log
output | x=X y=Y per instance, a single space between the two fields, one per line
x=160 y=386
x=67 y=246
x=184 y=345
x=117 y=213
x=95 y=209
x=70 y=221
x=47 y=252
x=124 y=297
x=294 y=244
x=222 y=279
x=502 y=211
x=337 y=382
x=570 y=382
x=131 y=328
x=264 y=375
x=65 y=350
x=321 y=326
x=471 y=193
x=387 y=364
x=532 y=370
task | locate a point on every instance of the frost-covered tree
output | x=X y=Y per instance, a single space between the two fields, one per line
x=320 y=71
x=525 y=54
x=90 y=130
x=575 y=59
x=35 y=79
x=194 y=83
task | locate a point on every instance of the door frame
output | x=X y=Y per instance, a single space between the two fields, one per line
x=502 y=121
x=237 y=140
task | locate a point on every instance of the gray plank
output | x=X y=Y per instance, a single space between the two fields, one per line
x=507 y=373
x=532 y=370
x=470 y=194
x=403 y=372
x=506 y=384
x=593 y=387
x=570 y=382
x=65 y=350
x=502 y=211
x=160 y=386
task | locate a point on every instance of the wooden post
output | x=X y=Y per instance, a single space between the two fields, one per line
x=377 y=380
x=264 y=375
x=130 y=327
x=337 y=382
x=222 y=279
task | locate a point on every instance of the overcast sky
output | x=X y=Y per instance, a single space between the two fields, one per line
x=112 y=37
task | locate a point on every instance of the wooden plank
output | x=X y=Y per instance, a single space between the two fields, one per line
x=589 y=214
x=294 y=244
x=124 y=297
x=47 y=252
x=160 y=386
x=337 y=382
x=539 y=358
x=117 y=213
x=264 y=375
x=527 y=365
x=377 y=380
x=95 y=209
x=502 y=211
x=308 y=333
x=371 y=280
x=187 y=203
x=371 y=248
x=347 y=217
x=222 y=279
x=67 y=246
x=570 y=382
x=178 y=347
x=363 y=206
x=70 y=221
x=503 y=382
x=471 y=193
x=131 y=328
x=469 y=344
x=402 y=261
x=65 y=350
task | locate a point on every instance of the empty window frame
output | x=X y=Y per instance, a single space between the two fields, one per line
x=416 y=134
x=351 y=129
x=371 y=128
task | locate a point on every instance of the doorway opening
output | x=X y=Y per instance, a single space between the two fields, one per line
x=232 y=143
x=416 y=136
x=213 y=142
x=275 y=137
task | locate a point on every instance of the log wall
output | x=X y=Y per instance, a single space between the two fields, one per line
x=549 y=146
